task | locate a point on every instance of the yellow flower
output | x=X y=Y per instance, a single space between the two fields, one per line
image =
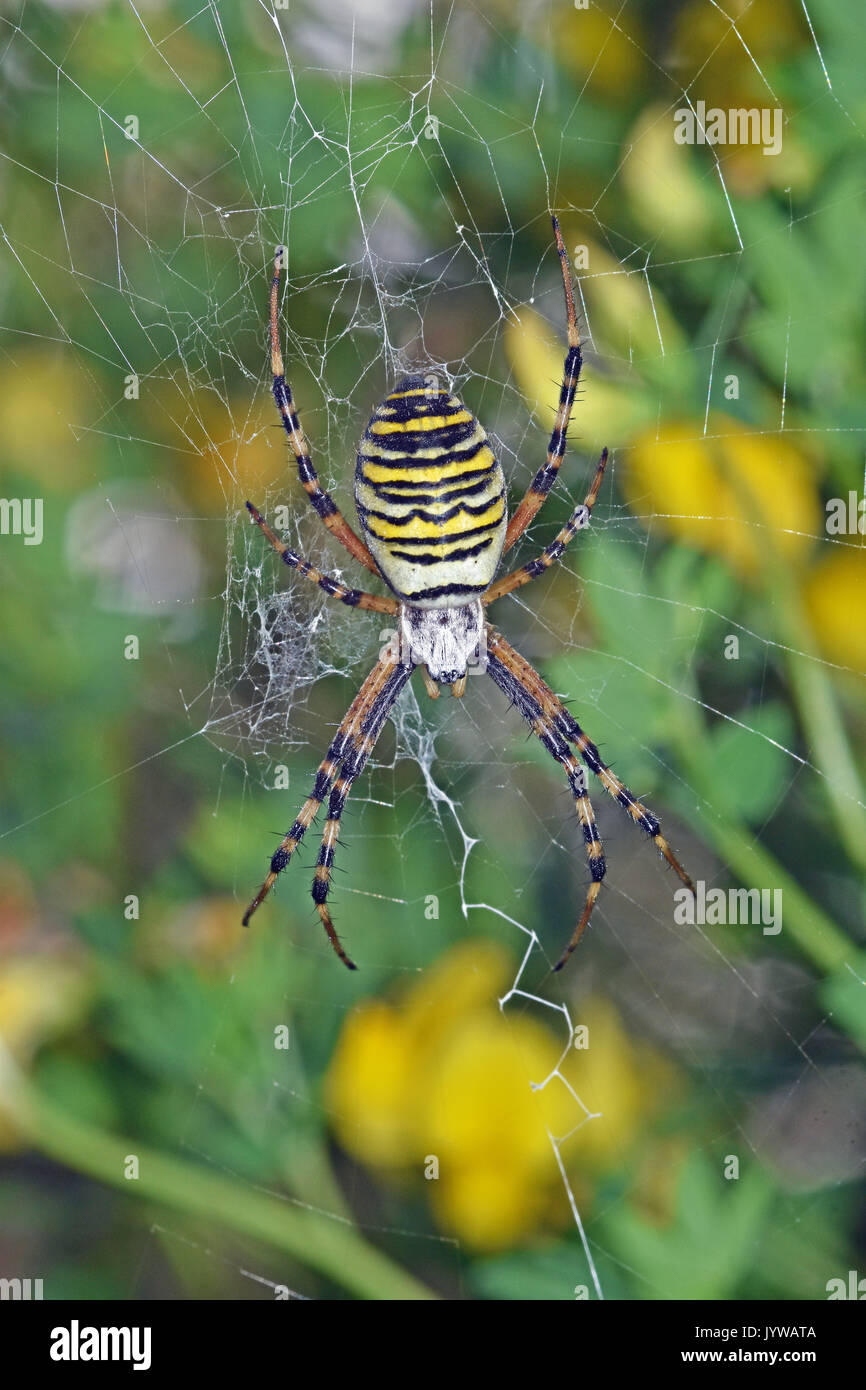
x=629 y=318
x=835 y=600
x=489 y=1129
x=47 y=401
x=731 y=491
x=40 y=998
x=634 y=333
x=370 y=1086
x=216 y=450
x=731 y=48
x=536 y=357
x=745 y=496
x=443 y=1080
x=602 y=49
x=620 y=1087
x=666 y=183
x=728 y=43
x=45 y=986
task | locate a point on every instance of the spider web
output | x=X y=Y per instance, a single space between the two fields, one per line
x=426 y=265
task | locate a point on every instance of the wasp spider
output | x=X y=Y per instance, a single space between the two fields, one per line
x=431 y=502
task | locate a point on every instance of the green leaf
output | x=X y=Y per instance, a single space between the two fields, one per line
x=710 y=1244
x=749 y=765
x=550 y=1275
x=630 y=619
x=844 y=994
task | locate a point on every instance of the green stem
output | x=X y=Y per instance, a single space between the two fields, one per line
x=815 y=699
x=332 y=1247
x=825 y=732
x=815 y=933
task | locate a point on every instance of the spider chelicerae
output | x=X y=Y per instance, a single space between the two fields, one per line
x=431 y=501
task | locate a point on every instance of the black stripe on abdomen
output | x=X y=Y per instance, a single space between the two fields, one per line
x=425 y=558
x=401 y=443
x=396 y=515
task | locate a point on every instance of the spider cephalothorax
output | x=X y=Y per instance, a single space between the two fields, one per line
x=431 y=501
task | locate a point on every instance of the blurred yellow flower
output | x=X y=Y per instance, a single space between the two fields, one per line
x=537 y=360
x=489 y=1129
x=370 y=1086
x=605 y=50
x=47 y=401
x=215 y=451
x=731 y=492
x=633 y=329
x=628 y=317
x=726 y=489
x=730 y=41
x=622 y=1087
x=442 y=1077
x=665 y=182
x=40 y=998
x=726 y=53
x=835 y=600
x=536 y=357
x=626 y=313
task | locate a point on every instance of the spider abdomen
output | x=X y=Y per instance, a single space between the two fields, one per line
x=430 y=497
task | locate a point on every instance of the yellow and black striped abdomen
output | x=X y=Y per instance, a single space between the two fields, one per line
x=430 y=497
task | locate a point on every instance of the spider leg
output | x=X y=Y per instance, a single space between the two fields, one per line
x=322 y=501
x=546 y=476
x=362 y=744
x=355 y=598
x=530 y=682
x=342 y=741
x=543 y=726
x=578 y=520
x=430 y=685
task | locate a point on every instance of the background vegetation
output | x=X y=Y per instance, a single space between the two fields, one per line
x=153 y=1035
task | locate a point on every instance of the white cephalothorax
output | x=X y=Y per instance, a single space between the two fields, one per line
x=445 y=640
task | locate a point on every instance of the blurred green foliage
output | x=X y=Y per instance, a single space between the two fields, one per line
x=149 y=257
